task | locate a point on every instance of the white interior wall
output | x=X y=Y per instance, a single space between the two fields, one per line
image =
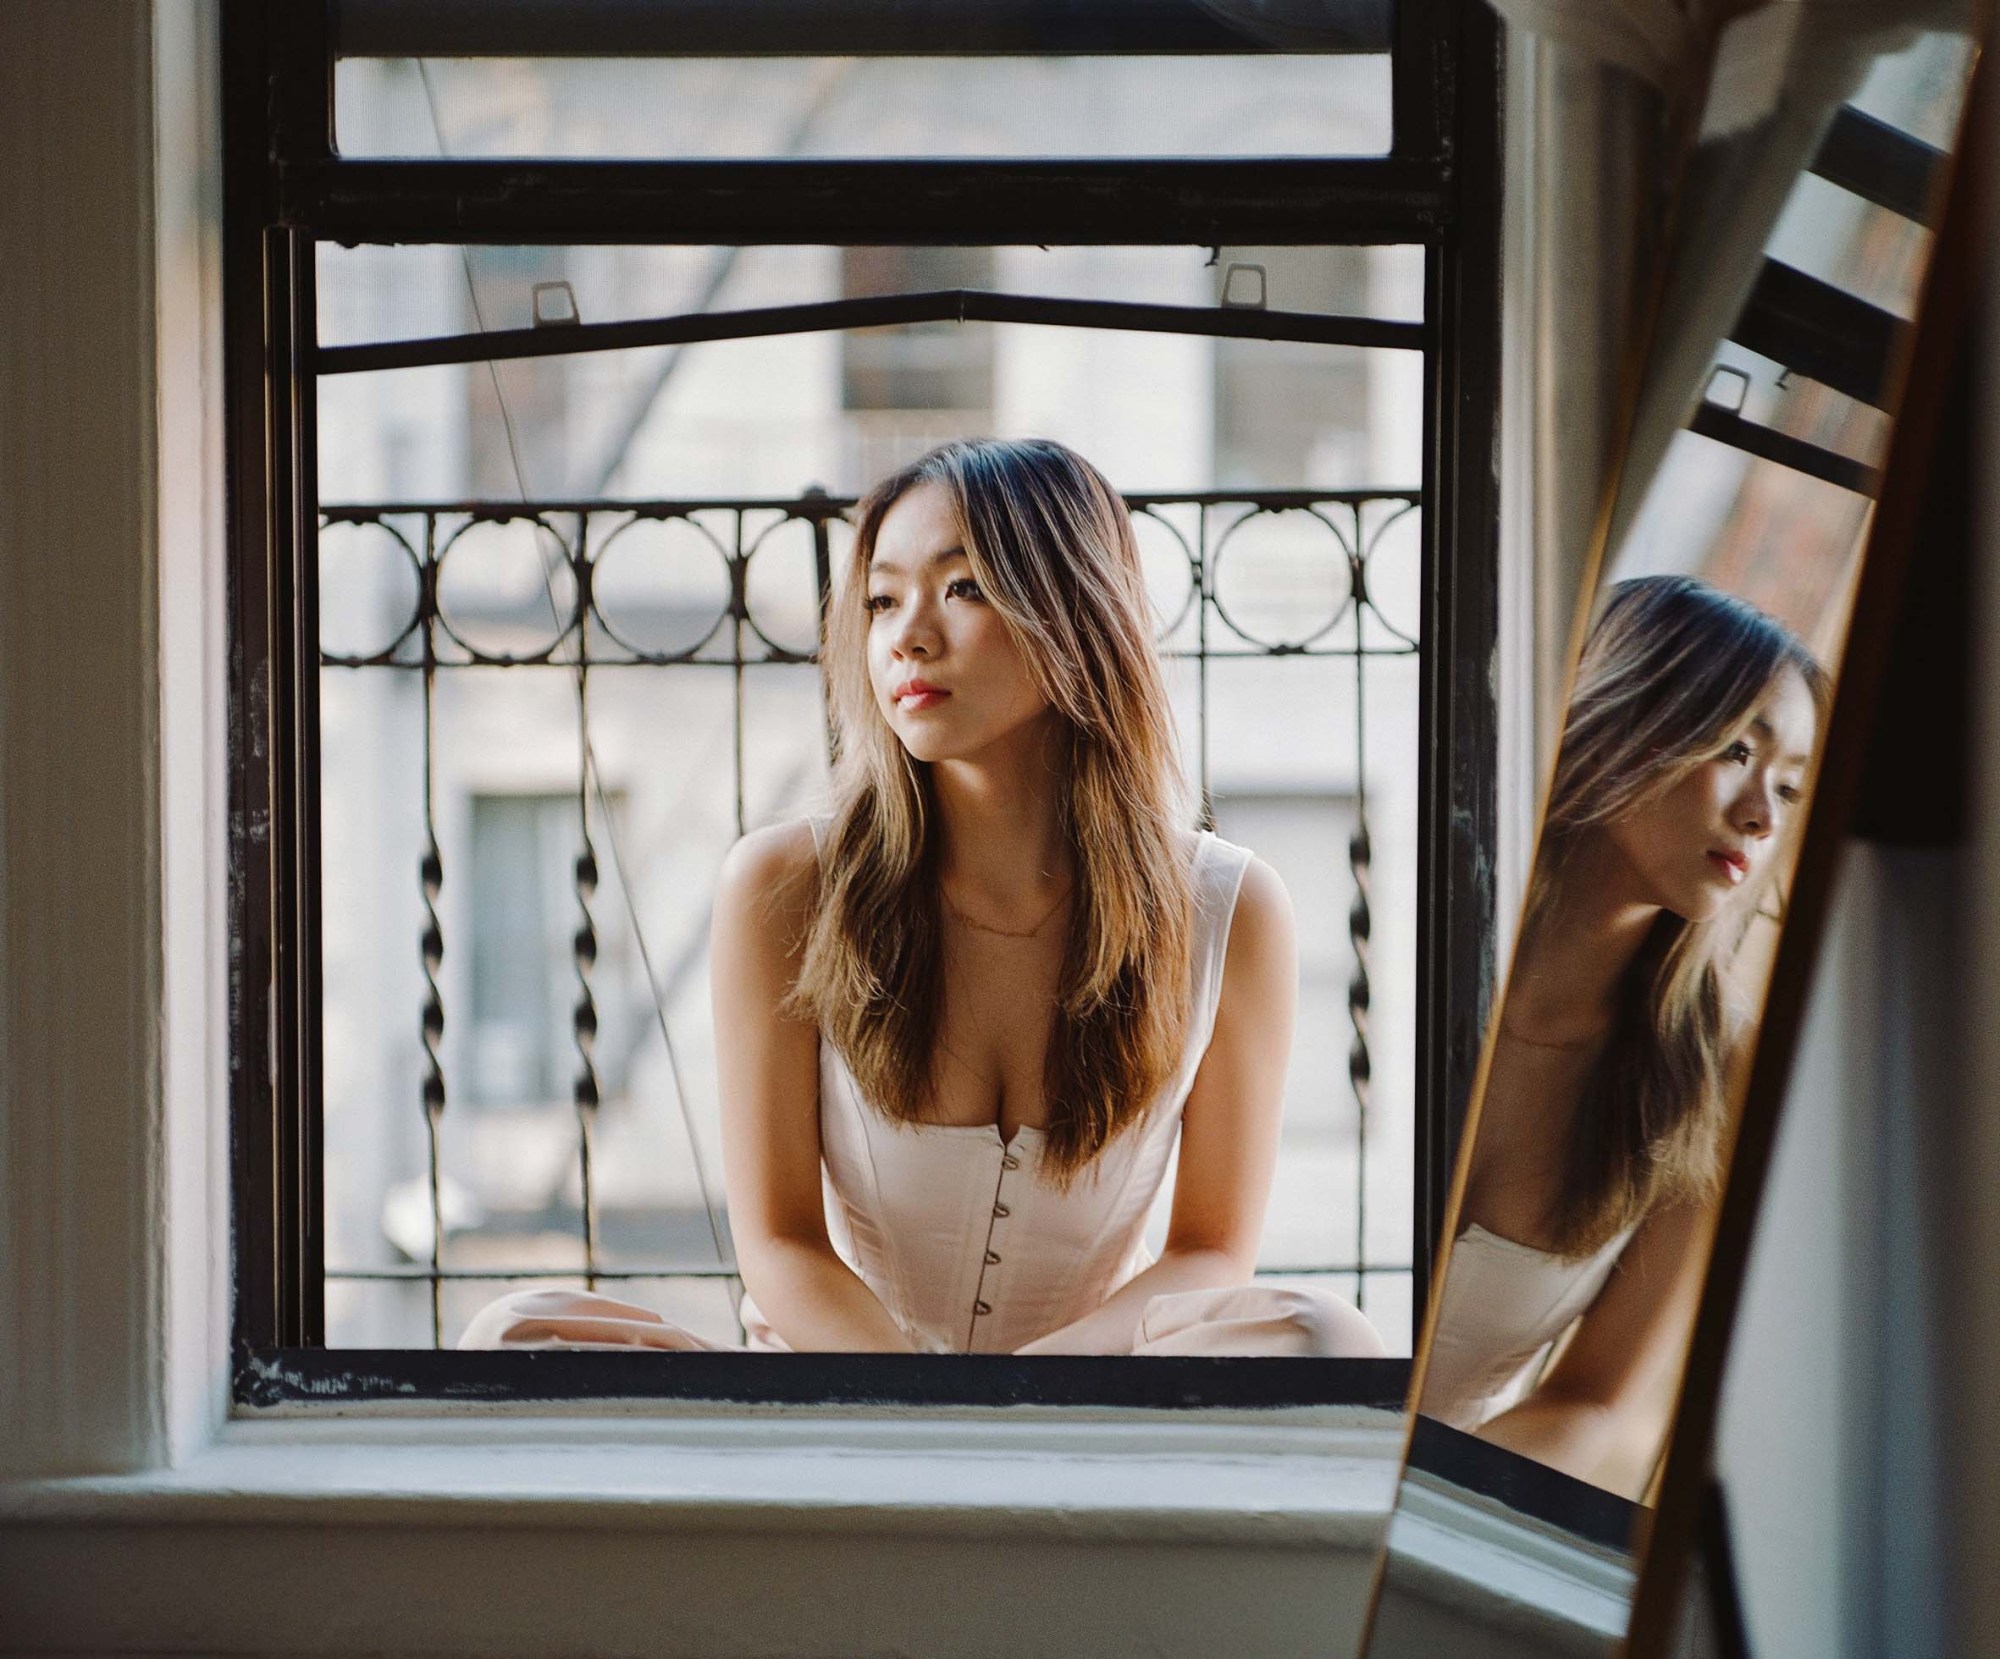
x=1849 y=1444
x=85 y=1197
x=1786 y=1449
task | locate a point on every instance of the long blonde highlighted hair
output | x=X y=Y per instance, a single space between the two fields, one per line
x=1052 y=548
x=1671 y=671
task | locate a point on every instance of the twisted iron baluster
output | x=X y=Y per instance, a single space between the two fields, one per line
x=584 y=1023
x=430 y=871
x=1360 y=857
x=583 y=952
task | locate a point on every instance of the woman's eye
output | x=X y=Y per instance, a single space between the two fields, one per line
x=1789 y=793
x=964 y=588
x=880 y=601
x=1737 y=752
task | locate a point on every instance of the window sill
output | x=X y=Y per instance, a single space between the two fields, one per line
x=1321 y=1476
x=1470 y=1564
x=719 y=1534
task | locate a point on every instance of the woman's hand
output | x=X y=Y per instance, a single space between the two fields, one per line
x=767 y=1066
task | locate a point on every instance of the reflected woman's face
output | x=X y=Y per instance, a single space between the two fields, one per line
x=1692 y=848
x=946 y=671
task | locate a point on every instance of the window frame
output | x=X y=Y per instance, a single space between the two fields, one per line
x=285 y=189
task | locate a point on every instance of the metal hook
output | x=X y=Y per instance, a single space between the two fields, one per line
x=1743 y=393
x=545 y=319
x=1229 y=275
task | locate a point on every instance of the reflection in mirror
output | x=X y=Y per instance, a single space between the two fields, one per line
x=1691 y=728
x=1599 y=1142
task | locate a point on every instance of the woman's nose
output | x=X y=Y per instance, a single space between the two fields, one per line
x=1755 y=807
x=916 y=632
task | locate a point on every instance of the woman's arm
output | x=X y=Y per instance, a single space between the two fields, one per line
x=767 y=1067
x=1229 y=1127
x=1595 y=1398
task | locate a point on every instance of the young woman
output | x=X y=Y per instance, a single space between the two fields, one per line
x=1690 y=734
x=961 y=1022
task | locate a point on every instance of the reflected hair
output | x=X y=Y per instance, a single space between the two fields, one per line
x=1670 y=673
x=1052 y=548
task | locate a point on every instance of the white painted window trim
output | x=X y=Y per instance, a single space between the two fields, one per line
x=1318 y=1477
x=718 y=1536
x=1497 y=1569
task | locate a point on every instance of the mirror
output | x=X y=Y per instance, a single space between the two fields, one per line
x=1597 y=1142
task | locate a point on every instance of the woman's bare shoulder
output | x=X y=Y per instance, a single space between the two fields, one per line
x=1262 y=900
x=1263 y=917
x=770 y=875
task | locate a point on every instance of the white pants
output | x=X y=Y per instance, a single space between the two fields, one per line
x=1264 y=1321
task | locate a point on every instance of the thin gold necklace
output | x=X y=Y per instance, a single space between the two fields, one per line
x=1006 y=932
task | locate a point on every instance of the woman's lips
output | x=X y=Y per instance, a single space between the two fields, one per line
x=914 y=699
x=1733 y=865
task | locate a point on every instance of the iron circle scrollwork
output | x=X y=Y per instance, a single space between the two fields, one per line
x=1371 y=530
x=662 y=586
x=781 y=599
x=398 y=565
x=1240 y=614
x=1169 y=565
x=497 y=590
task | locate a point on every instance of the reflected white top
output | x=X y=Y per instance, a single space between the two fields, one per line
x=952 y=1229
x=1504 y=1306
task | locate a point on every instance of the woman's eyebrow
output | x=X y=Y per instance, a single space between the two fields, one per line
x=942 y=556
x=1763 y=730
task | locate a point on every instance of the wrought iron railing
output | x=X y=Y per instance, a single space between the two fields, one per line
x=1189 y=539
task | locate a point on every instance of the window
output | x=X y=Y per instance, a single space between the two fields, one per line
x=908 y=389
x=528 y=550
x=1279 y=403
x=518 y=844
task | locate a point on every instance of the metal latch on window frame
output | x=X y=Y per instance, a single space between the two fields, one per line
x=556 y=319
x=1260 y=301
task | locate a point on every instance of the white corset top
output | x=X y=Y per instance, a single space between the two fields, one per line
x=956 y=1231
x=1504 y=1304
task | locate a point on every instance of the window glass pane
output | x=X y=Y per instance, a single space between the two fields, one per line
x=1254 y=104
x=1920 y=89
x=1868 y=250
x=513 y=1004
x=419 y=291
x=1760 y=390
x=771 y=416
x=940 y=366
x=1784 y=540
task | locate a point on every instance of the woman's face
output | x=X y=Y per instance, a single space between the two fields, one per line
x=946 y=672
x=1692 y=848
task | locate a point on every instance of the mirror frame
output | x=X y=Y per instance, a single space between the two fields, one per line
x=1669 y=1535
x=1949 y=294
